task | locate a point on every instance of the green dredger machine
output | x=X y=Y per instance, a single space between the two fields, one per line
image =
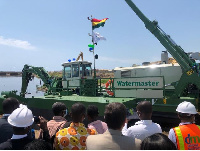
x=130 y=86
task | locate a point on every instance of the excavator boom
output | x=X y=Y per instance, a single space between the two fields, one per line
x=27 y=73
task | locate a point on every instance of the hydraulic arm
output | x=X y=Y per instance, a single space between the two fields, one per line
x=27 y=71
x=189 y=67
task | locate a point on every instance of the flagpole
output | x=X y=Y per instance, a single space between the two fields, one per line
x=94 y=61
x=91 y=47
x=93 y=53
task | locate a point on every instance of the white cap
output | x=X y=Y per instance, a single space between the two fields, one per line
x=21 y=117
x=186 y=107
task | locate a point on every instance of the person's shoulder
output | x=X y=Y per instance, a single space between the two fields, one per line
x=104 y=123
x=129 y=138
x=156 y=127
x=171 y=131
x=51 y=121
x=93 y=123
x=94 y=137
x=130 y=142
x=156 y=124
x=4 y=124
x=134 y=127
x=3 y=120
x=137 y=124
x=95 y=142
x=6 y=145
x=124 y=137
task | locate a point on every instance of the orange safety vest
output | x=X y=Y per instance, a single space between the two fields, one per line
x=188 y=137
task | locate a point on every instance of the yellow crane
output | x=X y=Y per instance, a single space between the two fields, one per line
x=80 y=55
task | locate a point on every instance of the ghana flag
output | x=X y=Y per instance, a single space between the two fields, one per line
x=96 y=23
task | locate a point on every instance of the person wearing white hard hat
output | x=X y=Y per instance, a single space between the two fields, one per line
x=187 y=135
x=21 y=119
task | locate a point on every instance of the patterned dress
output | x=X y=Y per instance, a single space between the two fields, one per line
x=73 y=137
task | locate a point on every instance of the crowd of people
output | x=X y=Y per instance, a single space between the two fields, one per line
x=17 y=128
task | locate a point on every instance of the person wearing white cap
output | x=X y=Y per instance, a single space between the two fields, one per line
x=187 y=135
x=21 y=119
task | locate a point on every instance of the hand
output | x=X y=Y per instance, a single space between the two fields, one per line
x=127 y=120
x=43 y=123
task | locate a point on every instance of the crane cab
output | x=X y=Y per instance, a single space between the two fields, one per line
x=74 y=71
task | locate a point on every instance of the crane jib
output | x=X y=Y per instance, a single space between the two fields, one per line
x=176 y=51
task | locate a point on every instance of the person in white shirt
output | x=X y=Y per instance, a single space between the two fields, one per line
x=145 y=127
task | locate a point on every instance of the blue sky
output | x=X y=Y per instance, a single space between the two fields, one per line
x=49 y=32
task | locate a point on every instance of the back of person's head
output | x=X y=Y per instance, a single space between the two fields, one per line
x=9 y=105
x=115 y=115
x=38 y=144
x=92 y=111
x=144 y=107
x=78 y=112
x=59 y=108
x=157 y=141
x=186 y=116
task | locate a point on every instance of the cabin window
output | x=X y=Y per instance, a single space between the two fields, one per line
x=85 y=70
x=75 y=70
x=88 y=70
x=126 y=73
x=67 y=72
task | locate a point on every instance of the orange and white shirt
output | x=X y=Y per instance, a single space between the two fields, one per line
x=73 y=137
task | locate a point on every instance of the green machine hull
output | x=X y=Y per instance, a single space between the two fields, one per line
x=42 y=105
x=163 y=112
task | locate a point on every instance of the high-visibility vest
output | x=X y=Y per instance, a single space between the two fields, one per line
x=188 y=137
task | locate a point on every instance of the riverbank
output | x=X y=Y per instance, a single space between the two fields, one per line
x=10 y=73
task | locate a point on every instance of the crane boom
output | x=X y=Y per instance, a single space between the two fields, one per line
x=176 y=51
x=189 y=67
x=80 y=55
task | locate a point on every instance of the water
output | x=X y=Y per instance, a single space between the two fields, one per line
x=15 y=83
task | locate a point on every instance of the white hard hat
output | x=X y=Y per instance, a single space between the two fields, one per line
x=21 y=117
x=186 y=107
